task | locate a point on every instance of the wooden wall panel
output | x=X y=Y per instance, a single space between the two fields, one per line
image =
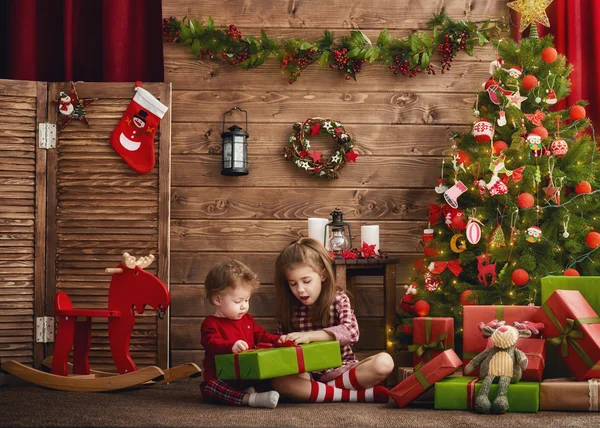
x=401 y=126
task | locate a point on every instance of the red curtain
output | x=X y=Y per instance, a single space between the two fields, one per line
x=92 y=40
x=572 y=23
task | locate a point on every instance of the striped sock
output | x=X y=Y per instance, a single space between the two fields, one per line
x=323 y=393
x=346 y=380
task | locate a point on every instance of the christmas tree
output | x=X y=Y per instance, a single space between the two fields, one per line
x=517 y=202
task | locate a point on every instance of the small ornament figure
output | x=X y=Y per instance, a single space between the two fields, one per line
x=515 y=72
x=534 y=234
x=535 y=144
x=483 y=131
x=452 y=194
x=450 y=216
x=409 y=298
x=495 y=65
x=473 y=230
x=501 y=121
x=64 y=105
x=498 y=239
x=484 y=268
x=72 y=107
x=551 y=98
x=432 y=282
x=457 y=244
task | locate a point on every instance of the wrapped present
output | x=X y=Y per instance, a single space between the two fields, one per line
x=424 y=376
x=427 y=396
x=569 y=395
x=572 y=324
x=458 y=393
x=586 y=285
x=473 y=341
x=431 y=336
x=535 y=351
x=270 y=362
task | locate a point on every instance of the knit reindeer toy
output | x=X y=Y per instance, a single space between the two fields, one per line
x=504 y=361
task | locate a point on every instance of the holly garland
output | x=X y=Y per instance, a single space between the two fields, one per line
x=348 y=54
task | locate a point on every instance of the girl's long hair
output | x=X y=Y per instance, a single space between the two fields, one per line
x=310 y=252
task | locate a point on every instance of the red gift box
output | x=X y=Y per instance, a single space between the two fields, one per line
x=572 y=324
x=431 y=336
x=535 y=351
x=425 y=376
x=473 y=341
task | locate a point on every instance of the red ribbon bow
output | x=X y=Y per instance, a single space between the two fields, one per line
x=452 y=265
x=435 y=211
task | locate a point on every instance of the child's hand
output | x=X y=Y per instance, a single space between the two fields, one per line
x=299 y=337
x=282 y=339
x=239 y=346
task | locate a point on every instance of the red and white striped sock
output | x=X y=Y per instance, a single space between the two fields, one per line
x=323 y=393
x=346 y=380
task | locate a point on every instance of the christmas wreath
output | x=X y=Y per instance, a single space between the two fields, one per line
x=314 y=161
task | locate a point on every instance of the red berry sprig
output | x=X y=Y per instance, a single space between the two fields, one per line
x=453 y=43
x=350 y=66
x=170 y=30
x=295 y=62
x=234 y=33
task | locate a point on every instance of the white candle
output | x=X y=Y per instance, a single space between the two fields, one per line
x=316 y=229
x=370 y=235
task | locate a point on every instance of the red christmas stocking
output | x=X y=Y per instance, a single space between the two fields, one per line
x=133 y=138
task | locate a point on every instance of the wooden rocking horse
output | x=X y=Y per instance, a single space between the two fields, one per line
x=131 y=287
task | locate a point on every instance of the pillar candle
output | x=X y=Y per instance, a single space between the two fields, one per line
x=316 y=229
x=370 y=235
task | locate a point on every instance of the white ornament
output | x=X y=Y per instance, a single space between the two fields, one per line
x=327 y=125
x=559 y=147
x=495 y=65
x=483 y=131
x=501 y=121
x=473 y=230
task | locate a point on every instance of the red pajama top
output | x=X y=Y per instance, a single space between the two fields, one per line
x=219 y=335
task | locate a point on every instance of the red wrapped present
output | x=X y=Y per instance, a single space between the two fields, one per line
x=424 y=376
x=473 y=341
x=431 y=336
x=572 y=324
x=535 y=351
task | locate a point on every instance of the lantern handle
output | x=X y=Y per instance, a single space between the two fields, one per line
x=234 y=109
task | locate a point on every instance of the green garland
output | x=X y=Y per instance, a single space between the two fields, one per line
x=347 y=54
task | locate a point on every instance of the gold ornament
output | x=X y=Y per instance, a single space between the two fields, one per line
x=531 y=11
x=462 y=245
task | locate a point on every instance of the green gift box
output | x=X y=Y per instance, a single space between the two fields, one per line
x=268 y=363
x=458 y=393
x=588 y=286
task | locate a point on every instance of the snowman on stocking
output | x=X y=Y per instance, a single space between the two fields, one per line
x=133 y=138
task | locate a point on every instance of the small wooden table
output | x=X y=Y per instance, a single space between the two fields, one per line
x=346 y=270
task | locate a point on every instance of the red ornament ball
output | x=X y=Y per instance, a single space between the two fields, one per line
x=549 y=55
x=529 y=82
x=422 y=308
x=464 y=158
x=571 y=272
x=577 y=113
x=520 y=277
x=406 y=329
x=459 y=223
x=499 y=146
x=541 y=131
x=468 y=298
x=583 y=187
x=593 y=239
x=525 y=200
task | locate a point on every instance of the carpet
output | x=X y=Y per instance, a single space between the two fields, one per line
x=179 y=405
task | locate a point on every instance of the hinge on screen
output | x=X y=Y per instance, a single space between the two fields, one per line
x=47 y=135
x=44 y=329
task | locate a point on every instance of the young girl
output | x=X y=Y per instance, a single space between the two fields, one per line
x=313 y=309
x=232 y=330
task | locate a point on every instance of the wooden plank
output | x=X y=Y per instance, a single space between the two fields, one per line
x=285 y=203
x=18 y=88
x=347 y=105
x=367 y=172
x=333 y=14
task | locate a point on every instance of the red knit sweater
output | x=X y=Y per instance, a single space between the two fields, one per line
x=219 y=335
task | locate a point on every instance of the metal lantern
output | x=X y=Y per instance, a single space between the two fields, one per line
x=235 y=148
x=338 y=242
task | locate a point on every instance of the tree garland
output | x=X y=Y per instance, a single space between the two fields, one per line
x=315 y=163
x=347 y=54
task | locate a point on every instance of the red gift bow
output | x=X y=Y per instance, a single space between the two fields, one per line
x=263 y=345
x=453 y=266
x=517 y=175
x=435 y=211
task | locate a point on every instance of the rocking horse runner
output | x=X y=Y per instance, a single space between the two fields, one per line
x=130 y=288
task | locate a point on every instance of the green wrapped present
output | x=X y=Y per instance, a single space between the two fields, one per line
x=267 y=363
x=588 y=286
x=458 y=393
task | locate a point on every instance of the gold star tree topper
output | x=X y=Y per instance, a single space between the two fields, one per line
x=531 y=11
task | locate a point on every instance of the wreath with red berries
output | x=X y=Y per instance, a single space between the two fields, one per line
x=315 y=162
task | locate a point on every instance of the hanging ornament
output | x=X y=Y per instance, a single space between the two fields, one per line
x=473 y=230
x=409 y=298
x=484 y=268
x=483 y=131
x=520 y=277
x=531 y=11
x=565 y=233
x=536 y=92
x=499 y=146
x=482 y=186
x=495 y=65
x=516 y=99
x=515 y=71
x=430 y=247
x=552 y=192
x=592 y=240
x=571 y=272
x=549 y=55
x=422 y=308
x=463 y=159
x=451 y=195
x=537 y=117
x=494 y=92
x=534 y=234
x=432 y=283
x=583 y=187
x=535 y=144
x=551 y=98
x=496 y=186
x=525 y=200
x=451 y=214
x=72 y=107
x=490 y=82
x=467 y=297
x=441 y=187
x=559 y=147
x=462 y=246
x=577 y=113
x=498 y=239
x=529 y=82
x=541 y=131
x=501 y=121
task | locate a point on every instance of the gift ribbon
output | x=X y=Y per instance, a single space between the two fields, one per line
x=436 y=345
x=568 y=334
x=421 y=377
x=261 y=346
x=593 y=393
x=535 y=354
x=471 y=393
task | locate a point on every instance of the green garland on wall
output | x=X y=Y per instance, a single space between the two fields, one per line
x=407 y=56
